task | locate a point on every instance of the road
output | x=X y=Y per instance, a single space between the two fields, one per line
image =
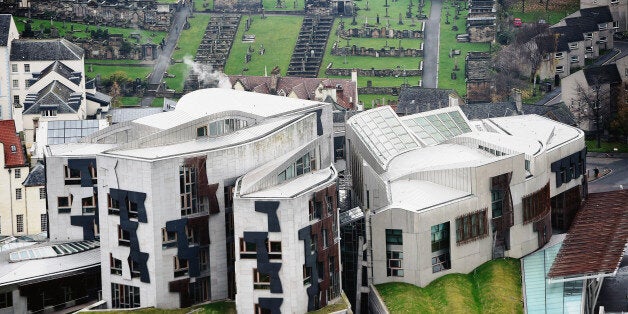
x=431 y=46
x=162 y=63
x=615 y=180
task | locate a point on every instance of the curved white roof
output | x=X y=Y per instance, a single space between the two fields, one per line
x=209 y=101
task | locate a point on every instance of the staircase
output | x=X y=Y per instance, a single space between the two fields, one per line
x=310 y=48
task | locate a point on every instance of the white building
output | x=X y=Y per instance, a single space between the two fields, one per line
x=442 y=194
x=169 y=193
x=8 y=32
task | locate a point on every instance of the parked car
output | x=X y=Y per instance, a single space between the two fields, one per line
x=516 y=22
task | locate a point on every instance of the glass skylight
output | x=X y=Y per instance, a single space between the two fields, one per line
x=52 y=250
x=437 y=126
x=70 y=131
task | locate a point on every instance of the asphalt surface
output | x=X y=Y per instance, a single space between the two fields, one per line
x=617 y=179
x=162 y=63
x=431 y=46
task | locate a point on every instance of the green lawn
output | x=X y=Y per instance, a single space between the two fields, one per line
x=447 y=42
x=80 y=30
x=607 y=147
x=130 y=101
x=277 y=33
x=106 y=70
x=222 y=307
x=535 y=11
x=189 y=40
x=494 y=287
x=367 y=99
x=202 y=5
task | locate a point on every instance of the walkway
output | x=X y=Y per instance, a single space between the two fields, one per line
x=430 y=54
x=163 y=61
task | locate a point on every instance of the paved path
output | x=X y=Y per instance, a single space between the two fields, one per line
x=430 y=55
x=617 y=179
x=163 y=61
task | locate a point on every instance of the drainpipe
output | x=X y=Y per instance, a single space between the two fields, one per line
x=11 y=202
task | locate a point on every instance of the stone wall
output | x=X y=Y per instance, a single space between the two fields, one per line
x=383 y=32
x=373 y=52
x=376 y=72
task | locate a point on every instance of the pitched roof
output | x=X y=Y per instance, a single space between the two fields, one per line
x=36 y=177
x=595 y=243
x=599 y=14
x=42 y=50
x=62 y=69
x=585 y=24
x=13 y=152
x=489 y=110
x=478 y=65
x=5 y=24
x=54 y=96
x=419 y=99
x=557 y=112
x=302 y=87
x=603 y=74
x=566 y=35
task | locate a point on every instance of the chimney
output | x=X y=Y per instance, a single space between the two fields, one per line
x=516 y=94
x=274 y=81
x=109 y=119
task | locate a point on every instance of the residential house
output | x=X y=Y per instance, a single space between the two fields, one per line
x=8 y=32
x=583 y=90
x=14 y=215
x=563 y=50
x=618 y=8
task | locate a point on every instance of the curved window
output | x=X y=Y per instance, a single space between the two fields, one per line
x=226 y=126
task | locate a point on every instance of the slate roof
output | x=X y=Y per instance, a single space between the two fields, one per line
x=5 y=24
x=557 y=112
x=9 y=138
x=598 y=14
x=489 y=110
x=91 y=84
x=595 y=243
x=604 y=74
x=62 y=69
x=102 y=99
x=478 y=65
x=36 y=177
x=420 y=99
x=303 y=88
x=585 y=24
x=566 y=35
x=54 y=96
x=129 y=114
x=45 y=50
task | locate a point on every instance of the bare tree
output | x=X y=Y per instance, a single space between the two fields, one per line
x=594 y=106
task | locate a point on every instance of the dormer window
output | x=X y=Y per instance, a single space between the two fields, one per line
x=575 y=59
x=615 y=23
x=558 y=55
x=588 y=35
x=13 y=148
x=573 y=46
x=602 y=26
x=49 y=113
x=201 y=132
x=589 y=49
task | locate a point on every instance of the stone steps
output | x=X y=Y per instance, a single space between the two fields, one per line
x=217 y=41
x=310 y=48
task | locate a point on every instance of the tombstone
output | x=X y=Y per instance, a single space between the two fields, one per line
x=377 y=19
x=263 y=16
x=386 y=11
x=353 y=22
x=454 y=28
x=369 y=83
x=247 y=58
x=312 y=54
x=453 y=75
x=367 y=6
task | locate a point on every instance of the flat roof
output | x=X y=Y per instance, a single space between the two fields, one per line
x=296 y=186
x=519 y=144
x=597 y=237
x=205 y=143
x=417 y=195
x=437 y=157
x=551 y=133
x=78 y=149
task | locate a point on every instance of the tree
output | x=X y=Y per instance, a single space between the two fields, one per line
x=115 y=95
x=594 y=105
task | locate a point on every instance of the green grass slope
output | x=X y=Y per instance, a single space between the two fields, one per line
x=494 y=287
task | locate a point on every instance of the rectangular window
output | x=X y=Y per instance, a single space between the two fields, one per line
x=16 y=99
x=27 y=67
x=124 y=237
x=325 y=235
x=558 y=55
x=113 y=205
x=536 y=204
x=6 y=299
x=303 y=165
x=188 y=190
x=560 y=69
x=19 y=221
x=180 y=266
x=588 y=35
x=307 y=275
x=124 y=297
x=72 y=176
x=134 y=268
x=274 y=249
x=260 y=281
x=248 y=249
x=202 y=131
x=394 y=263
x=615 y=23
x=471 y=226
x=88 y=204
x=440 y=237
x=313 y=243
x=14 y=67
x=573 y=46
x=261 y=310
x=316 y=209
x=602 y=26
x=115 y=265
x=575 y=59
x=441 y=262
x=42 y=193
x=526 y=165
x=203 y=259
x=44 y=222
x=16 y=84
x=497 y=202
x=18 y=173
x=589 y=49
x=169 y=239
x=394 y=237
x=64 y=204
x=18 y=193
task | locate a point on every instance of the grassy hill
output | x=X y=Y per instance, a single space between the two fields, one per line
x=494 y=287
